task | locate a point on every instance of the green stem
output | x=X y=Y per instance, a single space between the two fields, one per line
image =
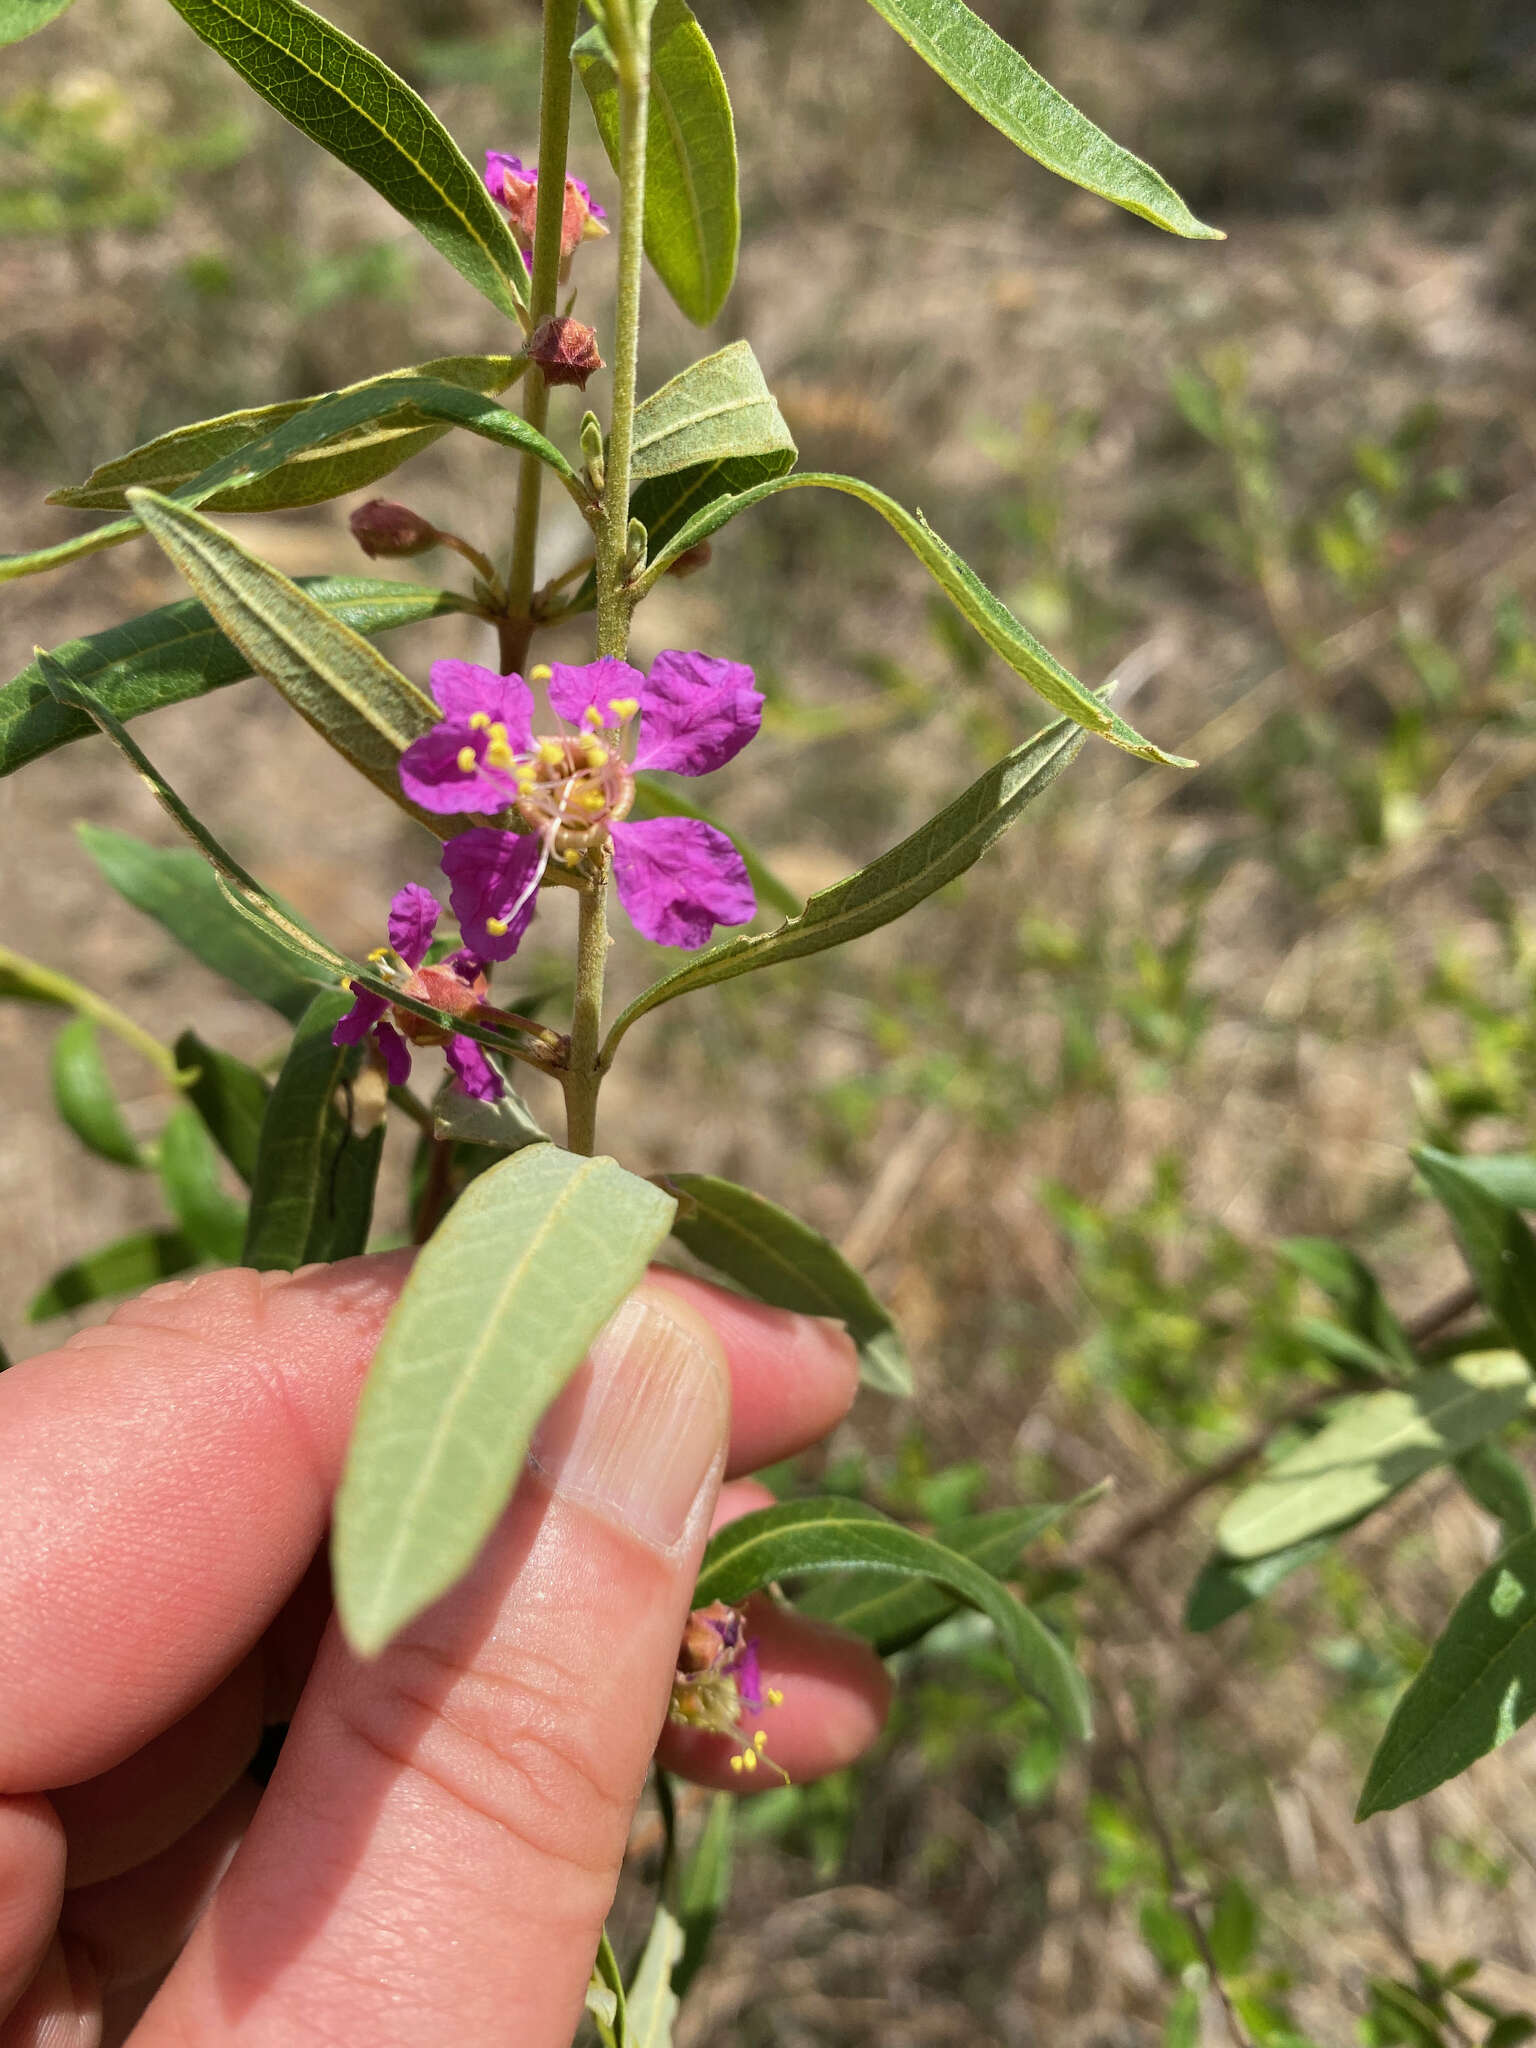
x=560 y=23
x=41 y=985
x=582 y=1079
x=631 y=51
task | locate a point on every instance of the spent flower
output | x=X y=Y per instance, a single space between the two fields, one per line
x=571 y=793
x=515 y=186
x=719 y=1678
x=455 y=984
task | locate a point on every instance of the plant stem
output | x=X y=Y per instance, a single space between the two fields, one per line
x=631 y=51
x=582 y=1079
x=41 y=985
x=560 y=21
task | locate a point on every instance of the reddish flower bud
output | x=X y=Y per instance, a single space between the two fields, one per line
x=693 y=559
x=565 y=351
x=381 y=527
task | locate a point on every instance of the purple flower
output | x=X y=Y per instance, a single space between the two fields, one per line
x=456 y=984
x=677 y=877
x=515 y=186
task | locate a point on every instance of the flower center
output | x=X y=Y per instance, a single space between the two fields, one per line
x=571 y=790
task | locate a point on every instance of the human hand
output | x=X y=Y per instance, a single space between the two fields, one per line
x=438 y=1847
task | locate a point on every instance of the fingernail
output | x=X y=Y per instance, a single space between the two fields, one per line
x=641 y=1427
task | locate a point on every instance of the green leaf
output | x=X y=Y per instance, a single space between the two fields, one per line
x=717 y=409
x=1355 y=1356
x=991 y=618
x=124 y=1267
x=349 y=461
x=180 y=891
x=605 y=1993
x=656 y=798
x=209 y=1217
x=889 y=887
x=1495 y=1241
x=1234 y=1927
x=1510 y=2030
x=312 y=1192
x=20 y=18
x=1371 y=1445
x=1499 y=1487
x=778 y=1259
x=176 y=652
x=507 y=1123
x=692 y=213
x=988 y=75
x=651 y=2004
x=342 y=97
x=333 y=677
x=1350 y=1284
x=85 y=1098
x=1477 y=1688
x=893 y=1614
x=704 y=1889
x=1508 y=1176
x=845 y=1535
x=230 y=1097
x=1225 y=1587
x=487 y=1331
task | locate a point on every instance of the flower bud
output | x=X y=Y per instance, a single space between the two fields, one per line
x=636 y=541
x=565 y=351
x=693 y=559
x=592 y=448
x=381 y=527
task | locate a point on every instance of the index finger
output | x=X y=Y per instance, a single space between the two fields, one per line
x=169 y=1477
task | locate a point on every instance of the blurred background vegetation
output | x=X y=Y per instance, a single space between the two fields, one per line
x=1285 y=488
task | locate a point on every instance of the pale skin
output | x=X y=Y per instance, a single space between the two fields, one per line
x=434 y=1857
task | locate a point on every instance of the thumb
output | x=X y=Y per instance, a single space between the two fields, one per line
x=441 y=1841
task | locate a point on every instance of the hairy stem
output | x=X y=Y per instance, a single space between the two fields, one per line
x=560 y=16
x=582 y=1079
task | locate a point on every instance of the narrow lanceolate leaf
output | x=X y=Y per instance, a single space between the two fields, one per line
x=85 y=1098
x=1495 y=1240
x=704 y=1889
x=994 y=79
x=692 y=211
x=19 y=18
x=210 y=1217
x=844 y=1535
x=177 y=652
x=651 y=2005
x=342 y=97
x=657 y=798
x=1225 y=1587
x=488 y=1330
x=1499 y=1487
x=1507 y=1176
x=123 y=1267
x=1372 y=1445
x=349 y=461
x=1354 y=1289
x=717 y=409
x=778 y=1259
x=180 y=891
x=333 y=677
x=991 y=618
x=890 y=886
x=312 y=1191
x=894 y=1613
x=1478 y=1687
x=230 y=1097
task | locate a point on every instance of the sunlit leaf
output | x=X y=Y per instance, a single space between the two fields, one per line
x=844 y=1535
x=715 y=410
x=210 y=1217
x=1225 y=1587
x=890 y=886
x=994 y=79
x=19 y=18
x=341 y=96
x=692 y=213
x=486 y=1333
x=1371 y=1445
x=85 y=1098
x=778 y=1259
x=651 y=2004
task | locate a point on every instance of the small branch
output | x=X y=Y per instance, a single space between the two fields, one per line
x=43 y=985
x=437 y=1192
x=583 y=1076
x=632 y=60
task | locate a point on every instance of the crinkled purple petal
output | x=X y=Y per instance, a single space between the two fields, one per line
x=490 y=874
x=678 y=878
x=466 y=964
x=749 y=1677
x=696 y=712
x=412 y=920
x=497 y=163
x=365 y=1012
x=462 y=688
x=397 y=1055
x=431 y=776
x=572 y=690
x=477 y=1077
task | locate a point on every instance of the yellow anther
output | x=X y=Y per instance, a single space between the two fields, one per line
x=749 y=1760
x=499 y=755
x=379 y=953
x=540 y=672
x=466 y=759
x=551 y=753
x=593 y=717
x=479 y=721
x=738 y=1763
x=570 y=858
x=592 y=800
x=623 y=707
x=774 y=1697
x=525 y=775
x=497 y=927
x=597 y=757
x=498 y=732
x=759 y=1741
